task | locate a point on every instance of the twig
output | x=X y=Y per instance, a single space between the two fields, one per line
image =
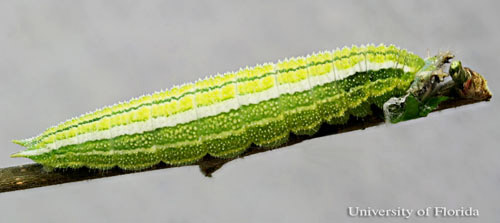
x=33 y=175
x=466 y=87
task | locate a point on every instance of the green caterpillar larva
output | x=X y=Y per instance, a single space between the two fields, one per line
x=224 y=114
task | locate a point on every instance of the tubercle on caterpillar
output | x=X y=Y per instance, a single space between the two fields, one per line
x=223 y=115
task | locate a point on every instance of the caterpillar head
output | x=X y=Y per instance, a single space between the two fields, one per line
x=432 y=86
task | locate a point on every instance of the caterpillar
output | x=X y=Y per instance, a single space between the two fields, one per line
x=223 y=115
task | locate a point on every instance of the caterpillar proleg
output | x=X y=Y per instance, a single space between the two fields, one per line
x=223 y=115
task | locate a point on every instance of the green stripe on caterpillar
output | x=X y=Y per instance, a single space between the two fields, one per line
x=224 y=114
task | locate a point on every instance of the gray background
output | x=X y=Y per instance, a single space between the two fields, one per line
x=59 y=59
